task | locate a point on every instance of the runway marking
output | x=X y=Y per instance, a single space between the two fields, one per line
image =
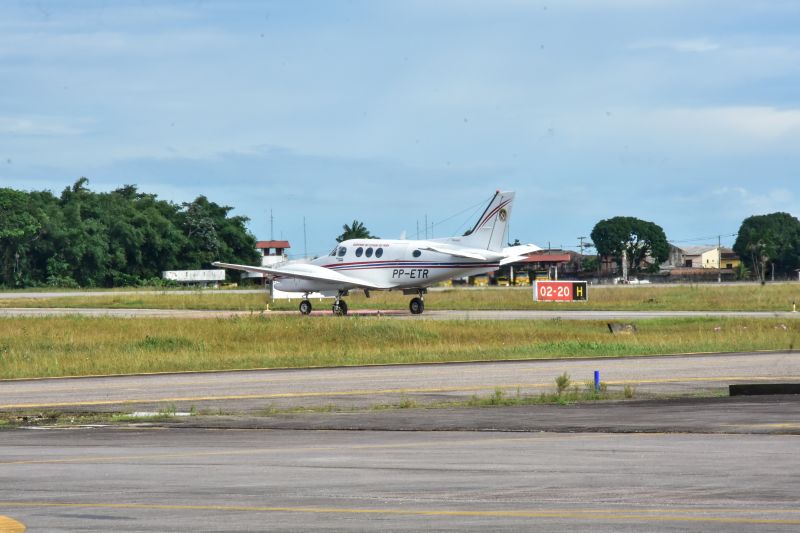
x=378 y=366
x=785 y=425
x=374 y=392
x=645 y=515
x=359 y=392
x=331 y=448
x=9 y=525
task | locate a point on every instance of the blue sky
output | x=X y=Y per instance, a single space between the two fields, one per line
x=686 y=113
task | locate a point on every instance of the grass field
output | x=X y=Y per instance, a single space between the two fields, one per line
x=61 y=346
x=709 y=297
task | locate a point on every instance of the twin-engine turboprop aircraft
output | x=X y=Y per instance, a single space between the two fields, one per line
x=407 y=265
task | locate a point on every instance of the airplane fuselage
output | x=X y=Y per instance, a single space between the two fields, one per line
x=394 y=264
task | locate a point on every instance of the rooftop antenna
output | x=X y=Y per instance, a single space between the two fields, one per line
x=271 y=226
x=305 y=249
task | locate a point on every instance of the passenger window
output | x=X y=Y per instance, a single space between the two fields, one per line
x=369 y=252
x=342 y=251
x=359 y=251
x=416 y=253
x=379 y=252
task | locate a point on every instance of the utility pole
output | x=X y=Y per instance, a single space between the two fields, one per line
x=305 y=249
x=580 y=253
x=426 y=225
x=624 y=265
x=719 y=258
x=271 y=226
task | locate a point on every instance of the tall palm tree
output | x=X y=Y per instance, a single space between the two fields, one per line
x=356 y=230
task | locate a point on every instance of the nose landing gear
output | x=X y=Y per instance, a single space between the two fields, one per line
x=417 y=305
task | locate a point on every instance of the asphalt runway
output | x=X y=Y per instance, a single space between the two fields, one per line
x=46 y=295
x=103 y=479
x=394 y=314
x=360 y=387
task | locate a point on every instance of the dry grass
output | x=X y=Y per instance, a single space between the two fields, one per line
x=708 y=297
x=60 y=346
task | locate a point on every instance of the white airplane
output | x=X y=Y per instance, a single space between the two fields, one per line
x=407 y=265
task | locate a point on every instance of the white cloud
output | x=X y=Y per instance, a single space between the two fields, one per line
x=35 y=126
x=767 y=201
x=689 y=131
x=696 y=45
x=754 y=122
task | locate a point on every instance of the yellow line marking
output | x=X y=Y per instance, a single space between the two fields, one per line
x=645 y=515
x=359 y=392
x=9 y=525
x=786 y=425
x=436 y=443
x=305 y=378
x=371 y=392
x=712 y=379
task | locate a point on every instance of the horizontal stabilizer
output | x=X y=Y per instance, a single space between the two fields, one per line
x=521 y=249
x=518 y=253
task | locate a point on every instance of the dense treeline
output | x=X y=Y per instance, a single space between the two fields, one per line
x=120 y=238
x=763 y=242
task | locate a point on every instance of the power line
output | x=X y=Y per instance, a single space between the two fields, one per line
x=472 y=208
x=700 y=239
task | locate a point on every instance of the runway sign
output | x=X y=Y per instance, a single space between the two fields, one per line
x=560 y=291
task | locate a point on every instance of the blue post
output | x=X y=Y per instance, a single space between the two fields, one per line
x=597 y=381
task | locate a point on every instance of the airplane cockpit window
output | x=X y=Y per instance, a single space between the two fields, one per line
x=416 y=253
x=369 y=252
x=379 y=252
x=342 y=251
x=333 y=252
x=359 y=251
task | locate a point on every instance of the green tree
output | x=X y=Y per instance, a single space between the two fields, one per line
x=640 y=240
x=124 y=237
x=769 y=239
x=213 y=236
x=590 y=264
x=19 y=226
x=356 y=230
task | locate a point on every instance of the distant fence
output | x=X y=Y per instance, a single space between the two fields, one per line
x=194 y=276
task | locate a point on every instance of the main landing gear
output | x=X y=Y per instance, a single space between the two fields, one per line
x=417 y=305
x=339 y=307
x=305 y=307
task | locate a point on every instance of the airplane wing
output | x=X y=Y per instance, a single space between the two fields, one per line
x=483 y=255
x=305 y=271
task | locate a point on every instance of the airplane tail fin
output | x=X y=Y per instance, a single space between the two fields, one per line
x=489 y=233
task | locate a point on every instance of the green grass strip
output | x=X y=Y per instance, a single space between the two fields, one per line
x=708 y=297
x=77 y=346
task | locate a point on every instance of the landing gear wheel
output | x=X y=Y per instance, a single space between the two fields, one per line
x=305 y=307
x=340 y=308
x=417 y=306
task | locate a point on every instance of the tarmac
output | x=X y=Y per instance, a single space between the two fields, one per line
x=363 y=387
x=699 y=464
x=613 y=467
